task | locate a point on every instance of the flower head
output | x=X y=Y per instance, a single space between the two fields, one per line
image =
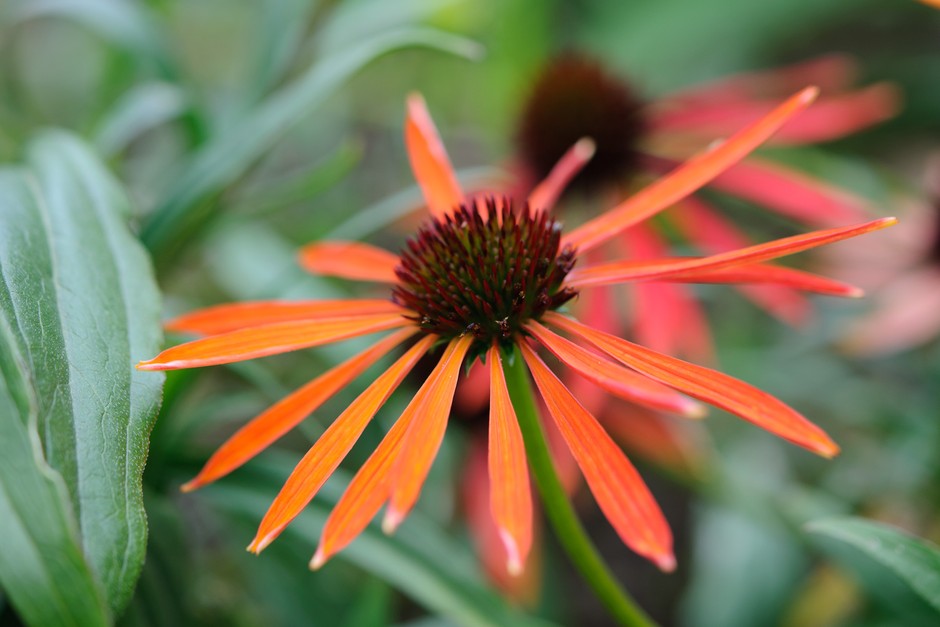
x=480 y=277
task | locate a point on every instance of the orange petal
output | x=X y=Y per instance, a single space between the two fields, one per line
x=326 y=454
x=614 y=482
x=670 y=269
x=269 y=339
x=695 y=173
x=510 y=496
x=428 y=414
x=546 y=193
x=429 y=160
x=767 y=274
x=709 y=386
x=349 y=260
x=613 y=378
x=290 y=411
x=225 y=318
x=371 y=485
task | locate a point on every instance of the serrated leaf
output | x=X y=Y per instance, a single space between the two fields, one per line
x=914 y=561
x=82 y=307
x=226 y=158
x=42 y=569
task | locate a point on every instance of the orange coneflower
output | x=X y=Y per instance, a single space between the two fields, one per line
x=481 y=278
x=575 y=96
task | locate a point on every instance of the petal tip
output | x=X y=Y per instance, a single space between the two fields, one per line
x=392 y=520
x=809 y=94
x=695 y=410
x=514 y=564
x=150 y=365
x=191 y=486
x=666 y=562
x=585 y=148
x=319 y=559
x=260 y=543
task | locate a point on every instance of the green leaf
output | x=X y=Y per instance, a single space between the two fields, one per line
x=142 y=108
x=914 y=561
x=225 y=159
x=42 y=568
x=82 y=306
x=419 y=560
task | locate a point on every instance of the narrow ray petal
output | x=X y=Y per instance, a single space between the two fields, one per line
x=786 y=191
x=269 y=339
x=614 y=482
x=510 y=495
x=371 y=485
x=431 y=408
x=613 y=378
x=332 y=447
x=429 y=160
x=547 y=193
x=695 y=173
x=762 y=273
x=226 y=318
x=349 y=260
x=669 y=269
x=290 y=411
x=709 y=386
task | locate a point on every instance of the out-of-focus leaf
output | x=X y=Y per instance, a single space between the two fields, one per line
x=42 y=569
x=141 y=109
x=360 y=19
x=280 y=32
x=225 y=159
x=82 y=306
x=914 y=561
x=418 y=560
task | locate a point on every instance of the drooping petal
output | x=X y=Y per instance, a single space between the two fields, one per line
x=226 y=318
x=269 y=339
x=714 y=234
x=767 y=274
x=833 y=117
x=671 y=269
x=692 y=175
x=510 y=494
x=547 y=193
x=332 y=447
x=428 y=415
x=429 y=160
x=707 y=385
x=371 y=486
x=614 y=482
x=349 y=260
x=290 y=411
x=615 y=379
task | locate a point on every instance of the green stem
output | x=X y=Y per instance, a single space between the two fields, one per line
x=560 y=513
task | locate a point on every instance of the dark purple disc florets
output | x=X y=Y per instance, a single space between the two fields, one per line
x=486 y=269
x=575 y=97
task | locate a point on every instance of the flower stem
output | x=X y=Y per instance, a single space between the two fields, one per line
x=571 y=534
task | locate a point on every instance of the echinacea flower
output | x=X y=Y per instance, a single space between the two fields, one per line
x=486 y=278
x=574 y=96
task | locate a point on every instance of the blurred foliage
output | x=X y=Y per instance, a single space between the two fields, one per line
x=240 y=129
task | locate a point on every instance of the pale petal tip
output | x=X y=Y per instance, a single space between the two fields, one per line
x=191 y=485
x=828 y=449
x=855 y=292
x=259 y=544
x=391 y=521
x=585 y=148
x=695 y=410
x=809 y=94
x=415 y=100
x=514 y=564
x=319 y=559
x=146 y=365
x=665 y=562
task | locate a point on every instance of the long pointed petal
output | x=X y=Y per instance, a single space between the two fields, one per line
x=709 y=386
x=332 y=447
x=428 y=415
x=370 y=487
x=614 y=482
x=766 y=274
x=269 y=339
x=670 y=269
x=262 y=431
x=510 y=495
x=613 y=378
x=547 y=193
x=429 y=160
x=695 y=173
x=226 y=318
x=349 y=260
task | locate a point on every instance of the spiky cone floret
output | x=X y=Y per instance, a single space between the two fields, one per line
x=480 y=277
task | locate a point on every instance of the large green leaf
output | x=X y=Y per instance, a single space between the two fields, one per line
x=82 y=307
x=914 y=561
x=42 y=569
x=226 y=158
